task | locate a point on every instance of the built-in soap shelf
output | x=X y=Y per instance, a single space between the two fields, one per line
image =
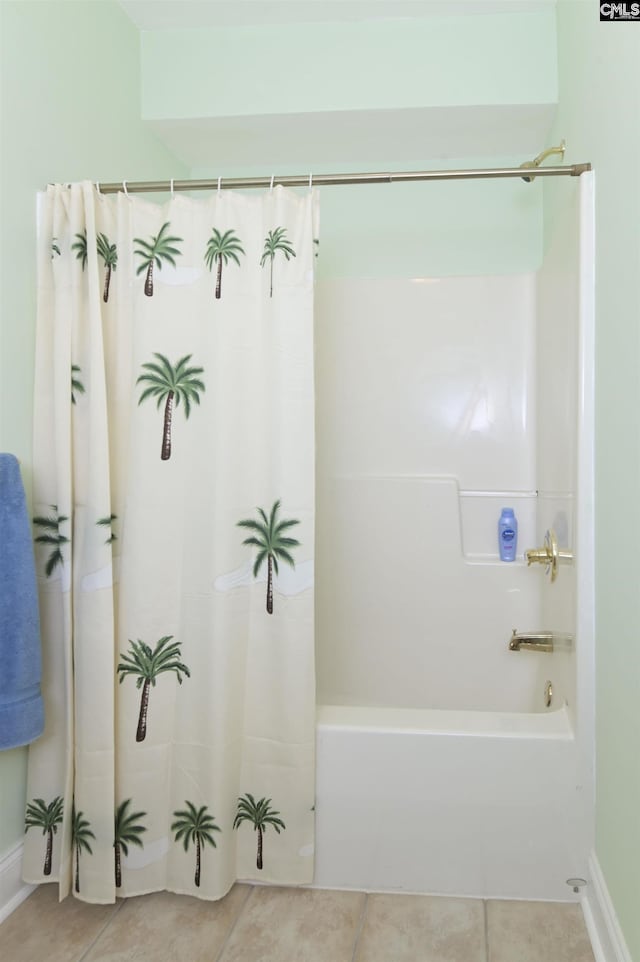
x=479 y=514
x=536 y=512
x=433 y=513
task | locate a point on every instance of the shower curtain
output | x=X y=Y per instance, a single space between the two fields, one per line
x=173 y=527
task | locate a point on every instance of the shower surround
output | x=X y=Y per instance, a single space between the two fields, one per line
x=441 y=400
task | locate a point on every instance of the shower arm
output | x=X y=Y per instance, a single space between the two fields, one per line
x=560 y=149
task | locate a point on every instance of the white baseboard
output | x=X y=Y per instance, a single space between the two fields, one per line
x=13 y=890
x=600 y=917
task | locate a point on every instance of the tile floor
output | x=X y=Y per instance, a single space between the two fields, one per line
x=263 y=924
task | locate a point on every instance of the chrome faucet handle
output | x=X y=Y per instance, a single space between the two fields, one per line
x=550 y=555
x=537 y=556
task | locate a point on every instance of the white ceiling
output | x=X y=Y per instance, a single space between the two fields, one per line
x=194 y=14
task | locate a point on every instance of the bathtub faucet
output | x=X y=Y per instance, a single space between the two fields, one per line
x=550 y=555
x=531 y=641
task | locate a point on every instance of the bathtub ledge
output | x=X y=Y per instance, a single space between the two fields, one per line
x=423 y=721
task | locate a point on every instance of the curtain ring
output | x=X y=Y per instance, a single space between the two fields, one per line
x=310 y=181
x=272 y=177
x=219 y=187
x=124 y=187
x=98 y=186
x=172 y=191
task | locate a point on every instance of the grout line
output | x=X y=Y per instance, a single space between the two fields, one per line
x=232 y=929
x=485 y=906
x=104 y=928
x=363 y=918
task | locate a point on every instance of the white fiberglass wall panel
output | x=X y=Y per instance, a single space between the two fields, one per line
x=426 y=428
x=428 y=376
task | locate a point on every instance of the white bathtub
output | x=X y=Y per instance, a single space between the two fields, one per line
x=446 y=802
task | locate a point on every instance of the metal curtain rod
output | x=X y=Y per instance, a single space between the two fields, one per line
x=327 y=180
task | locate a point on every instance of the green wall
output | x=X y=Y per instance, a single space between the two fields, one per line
x=69 y=108
x=435 y=229
x=599 y=114
x=480 y=72
x=367 y=65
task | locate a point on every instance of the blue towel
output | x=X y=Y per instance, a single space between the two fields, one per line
x=21 y=711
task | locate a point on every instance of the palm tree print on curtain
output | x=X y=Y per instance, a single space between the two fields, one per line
x=80 y=835
x=153 y=252
x=80 y=247
x=109 y=254
x=171 y=384
x=272 y=544
x=46 y=817
x=107 y=251
x=276 y=240
x=195 y=825
x=53 y=537
x=222 y=248
x=127 y=831
x=77 y=387
x=107 y=522
x=145 y=665
x=261 y=815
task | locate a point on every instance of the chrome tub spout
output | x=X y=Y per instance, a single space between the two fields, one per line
x=531 y=641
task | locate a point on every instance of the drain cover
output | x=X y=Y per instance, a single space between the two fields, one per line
x=576 y=883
